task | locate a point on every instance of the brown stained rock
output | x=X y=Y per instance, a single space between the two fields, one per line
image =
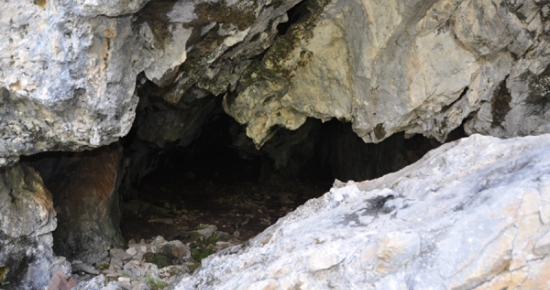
x=60 y=281
x=88 y=214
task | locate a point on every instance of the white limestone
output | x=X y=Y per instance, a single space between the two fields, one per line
x=466 y=215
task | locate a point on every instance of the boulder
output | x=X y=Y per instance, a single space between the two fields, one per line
x=27 y=219
x=472 y=213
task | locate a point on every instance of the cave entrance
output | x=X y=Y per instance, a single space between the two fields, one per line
x=145 y=186
x=221 y=179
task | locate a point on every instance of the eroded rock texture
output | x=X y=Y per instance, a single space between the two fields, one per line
x=68 y=69
x=472 y=213
x=421 y=67
x=26 y=224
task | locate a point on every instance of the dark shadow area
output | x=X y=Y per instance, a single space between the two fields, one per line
x=223 y=180
x=295 y=15
x=215 y=175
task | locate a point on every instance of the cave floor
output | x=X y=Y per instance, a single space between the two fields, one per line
x=173 y=203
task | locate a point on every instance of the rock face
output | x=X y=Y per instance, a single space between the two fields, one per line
x=474 y=213
x=68 y=69
x=422 y=67
x=86 y=200
x=74 y=73
x=26 y=224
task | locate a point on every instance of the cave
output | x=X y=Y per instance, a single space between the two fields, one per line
x=221 y=178
x=196 y=128
x=215 y=175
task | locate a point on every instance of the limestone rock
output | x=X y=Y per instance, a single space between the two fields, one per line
x=420 y=67
x=66 y=81
x=467 y=215
x=96 y=283
x=27 y=219
x=68 y=69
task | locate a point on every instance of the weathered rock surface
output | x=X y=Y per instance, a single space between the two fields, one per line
x=68 y=69
x=84 y=191
x=26 y=224
x=422 y=67
x=471 y=214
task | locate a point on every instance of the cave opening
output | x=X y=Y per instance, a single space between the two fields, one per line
x=151 y=183
x=222 y=179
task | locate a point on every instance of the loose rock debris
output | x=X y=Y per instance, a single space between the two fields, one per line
x=175 y=222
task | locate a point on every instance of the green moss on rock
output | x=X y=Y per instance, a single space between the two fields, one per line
x=220 y=12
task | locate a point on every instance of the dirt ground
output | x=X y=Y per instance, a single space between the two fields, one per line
x=172 y=203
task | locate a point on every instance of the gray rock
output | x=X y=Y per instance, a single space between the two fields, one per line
x=68 y=73
x=113 y=286
x=174 y=250
x=27 y=220
x=470 y=214
x=169 y=274
x=138 y=269
x=78 y=266
x=96 y=283
x=120 y=254
x=141 y=286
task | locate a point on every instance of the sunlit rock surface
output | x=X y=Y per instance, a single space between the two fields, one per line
x=68 y=69
x=26 y=224
x=474 y=213
x=414 y=66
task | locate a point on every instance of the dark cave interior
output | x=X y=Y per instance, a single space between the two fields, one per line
x=221 y=179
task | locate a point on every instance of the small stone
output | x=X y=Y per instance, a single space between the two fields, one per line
x=168 y=274
x=167 y=205
x=120 y=254
x=137 y=269
x=174 y=249
x=158 y=259
x=236 y=234
x=141 y=286
x=116 y=263
x=98 y=282
x=124 y=279
x=158 y=240
x=206 y=230
x=223 y=245
x=78 y=266
x=60 y=281
x=131 y=251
